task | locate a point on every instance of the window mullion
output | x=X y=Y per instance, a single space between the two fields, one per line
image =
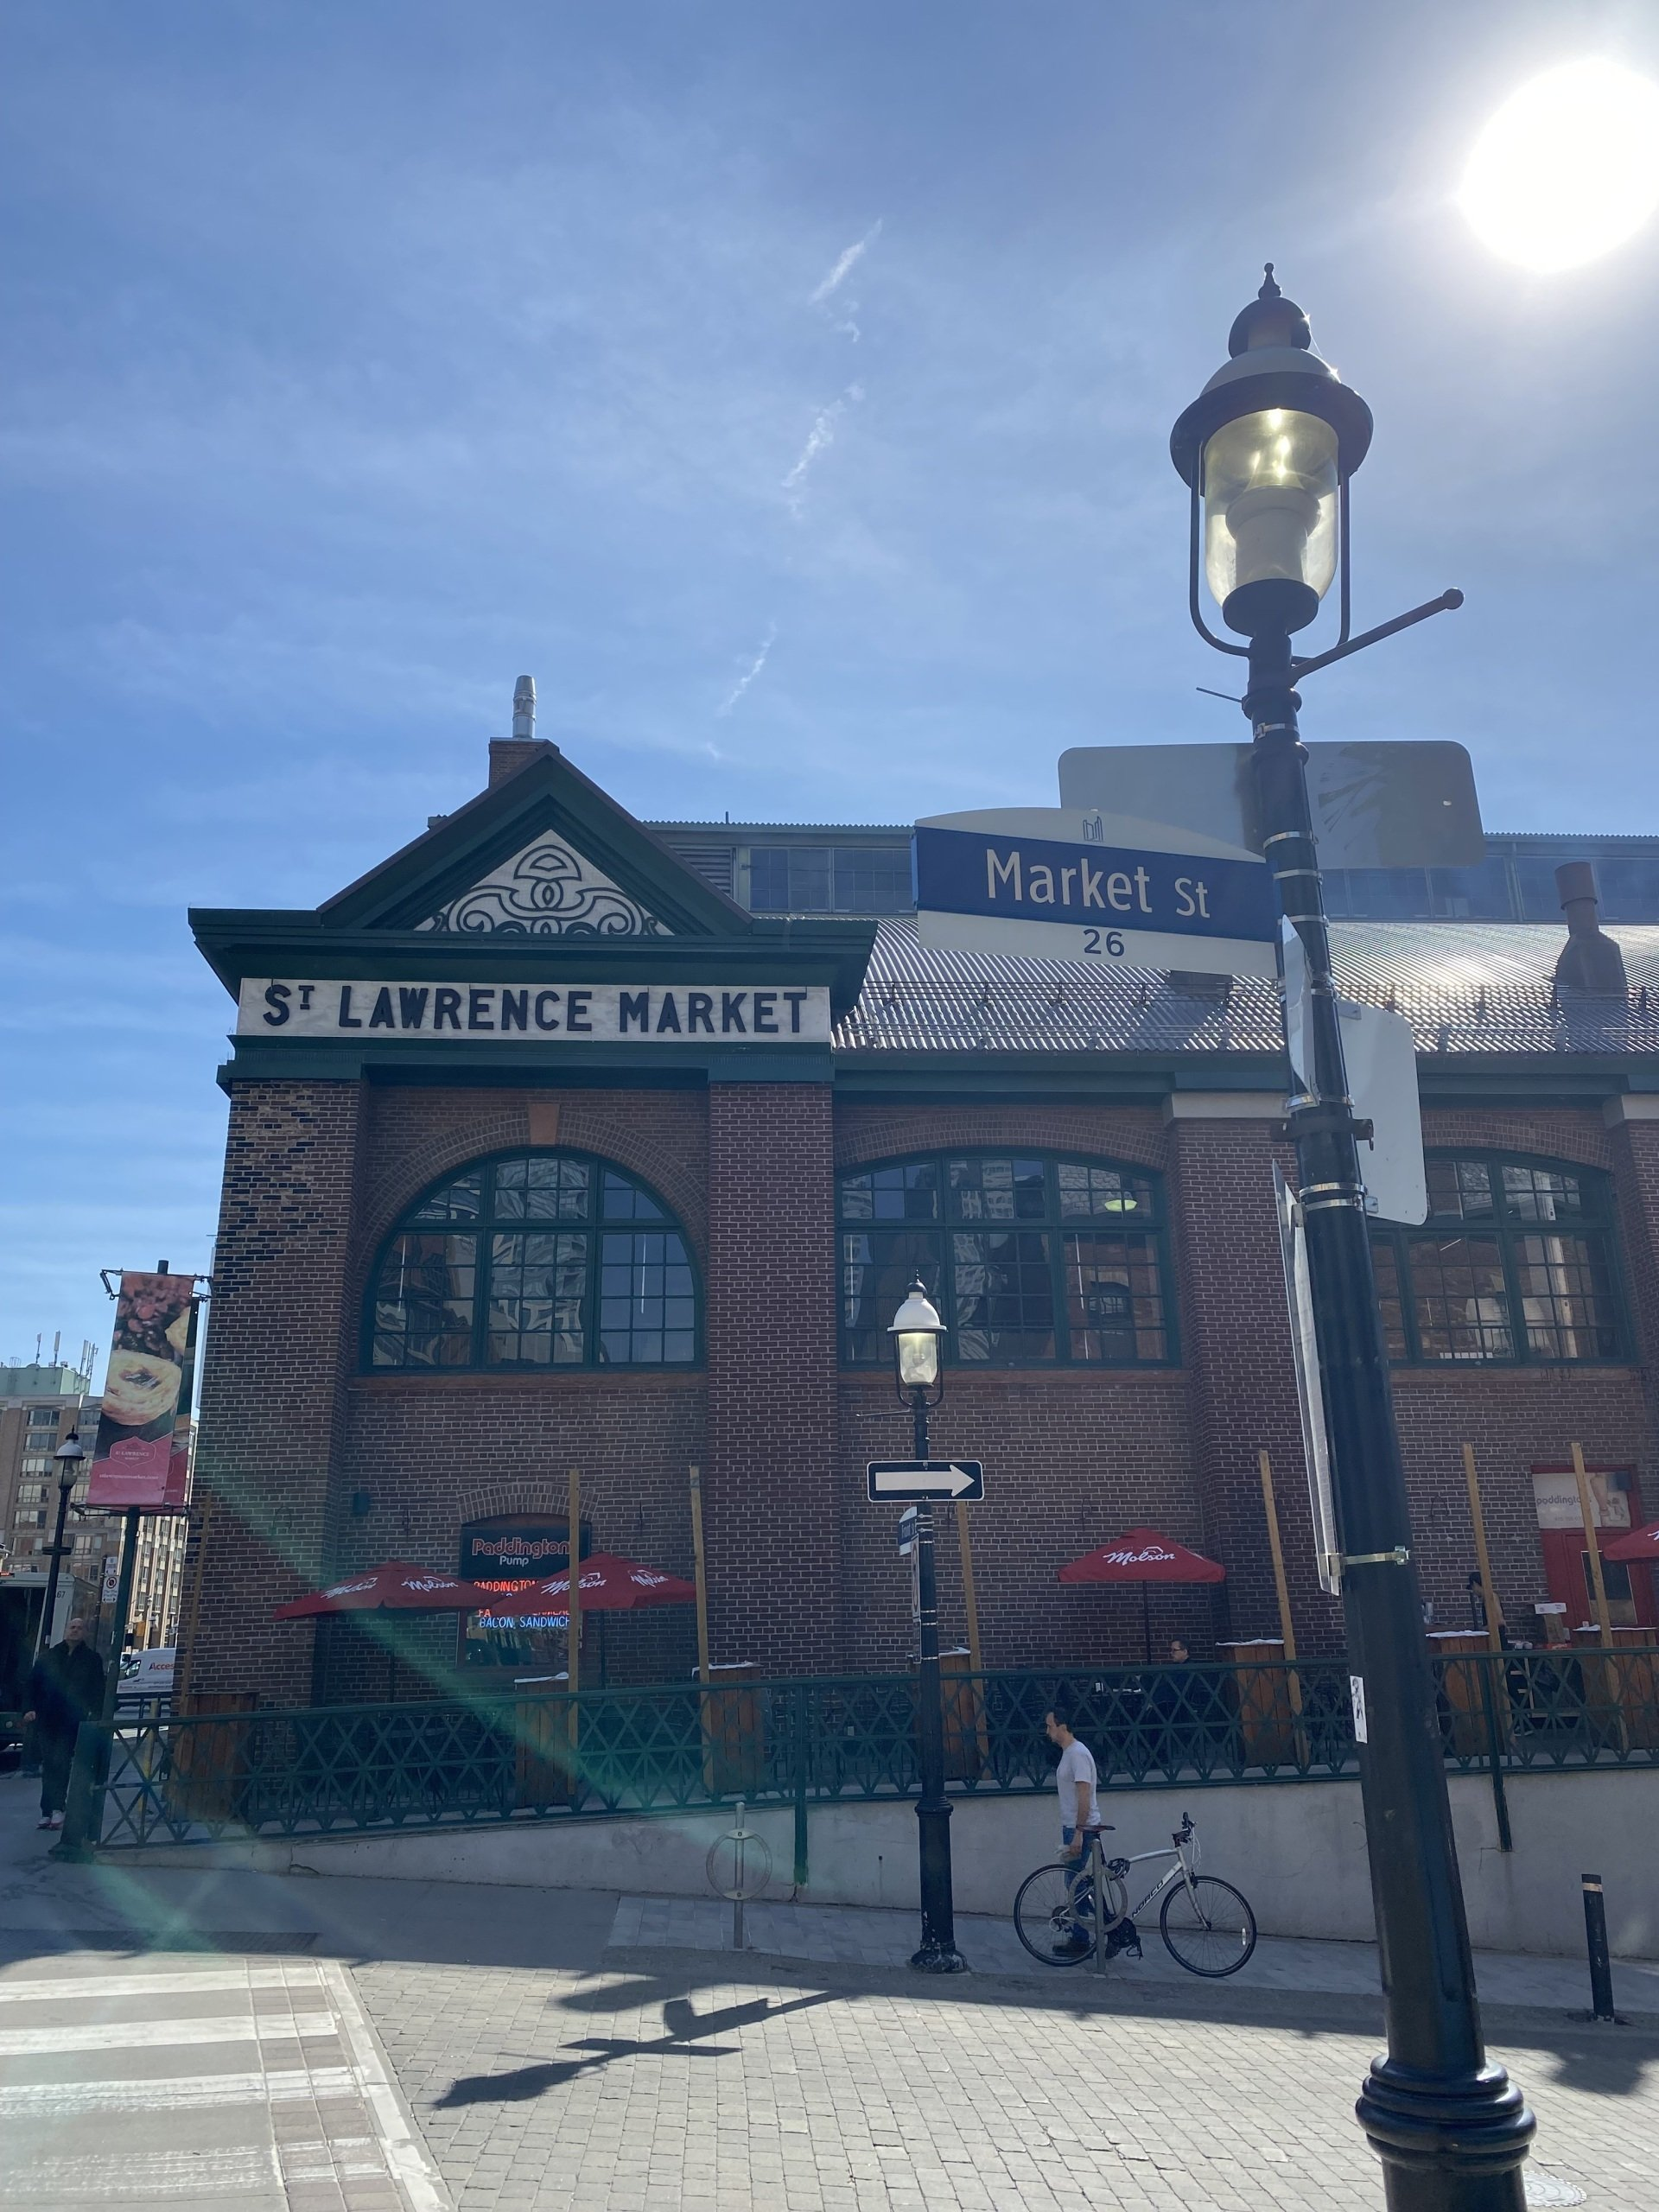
x=1064 y=1355
x=1503 y=1229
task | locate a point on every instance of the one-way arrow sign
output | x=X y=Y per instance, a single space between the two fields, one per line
x=913 y=1480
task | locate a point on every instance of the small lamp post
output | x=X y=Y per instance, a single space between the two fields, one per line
x=918 y=1336
x=69 y=1459
x=1267 y=451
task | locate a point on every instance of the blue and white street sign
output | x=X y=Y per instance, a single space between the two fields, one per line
x=1052 y=883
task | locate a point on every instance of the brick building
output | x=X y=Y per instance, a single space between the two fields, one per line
x=546 y=1150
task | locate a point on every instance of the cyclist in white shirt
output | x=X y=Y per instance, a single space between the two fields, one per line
x=1080 y=1821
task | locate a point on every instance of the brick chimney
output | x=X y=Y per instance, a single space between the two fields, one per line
x=509 y=754
x=1590 y=960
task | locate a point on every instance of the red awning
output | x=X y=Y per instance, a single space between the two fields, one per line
x=398 y=1587
x=609 y=1585
x=1642 y=1544
x=1144 y=1555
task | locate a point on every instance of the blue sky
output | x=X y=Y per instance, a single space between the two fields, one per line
x=788 y=389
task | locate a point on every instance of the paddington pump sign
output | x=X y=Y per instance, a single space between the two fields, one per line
x=608 y=1013
x=1060 y=884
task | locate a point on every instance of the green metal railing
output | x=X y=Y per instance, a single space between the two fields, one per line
x=674 y=1747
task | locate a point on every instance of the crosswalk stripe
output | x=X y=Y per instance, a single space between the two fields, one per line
x=118 y=2035
x=217 y=2176
x=89 y=1989
x=178 y=2093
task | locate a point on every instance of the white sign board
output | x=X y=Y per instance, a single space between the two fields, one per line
x=1404 y=804
x=1310 y=1390
x=610 y=1013
x=1380 y=1055
x=1556 y=1496
x=1046 y=883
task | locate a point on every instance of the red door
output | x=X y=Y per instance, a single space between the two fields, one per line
x=1567 y=1570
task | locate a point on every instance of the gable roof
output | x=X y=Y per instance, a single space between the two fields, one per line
x=548 y=794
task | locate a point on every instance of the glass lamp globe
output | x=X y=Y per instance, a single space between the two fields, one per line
x=916 y=1332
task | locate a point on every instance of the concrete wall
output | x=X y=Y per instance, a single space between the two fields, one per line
x=1298 y=1853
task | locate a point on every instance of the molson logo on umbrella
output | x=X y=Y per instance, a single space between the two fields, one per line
x=141 y=1456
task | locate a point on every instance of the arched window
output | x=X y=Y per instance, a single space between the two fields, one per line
x=533 y=1260
x=1030 y=1259
x=1514 y=1263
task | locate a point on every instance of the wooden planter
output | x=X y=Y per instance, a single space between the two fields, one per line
x=733 y=1731
x=1260 y=1695
x=967 y=1750
x=209 y=1760
x=1464 y=1714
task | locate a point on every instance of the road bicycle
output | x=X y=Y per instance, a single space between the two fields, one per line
x=1207 y=1927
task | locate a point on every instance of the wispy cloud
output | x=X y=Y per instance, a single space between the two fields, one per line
x=821 y=433
x=842 y=312
x=751 y=671
x=848 y=261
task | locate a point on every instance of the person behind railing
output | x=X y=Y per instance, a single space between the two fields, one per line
x=65 y=1688
x=1172 y=1725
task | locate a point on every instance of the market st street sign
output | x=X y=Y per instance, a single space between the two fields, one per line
x=607 y=1013
x=1050 y=883
x=913 y=1480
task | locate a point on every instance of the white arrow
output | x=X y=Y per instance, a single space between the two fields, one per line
x=949 y=1482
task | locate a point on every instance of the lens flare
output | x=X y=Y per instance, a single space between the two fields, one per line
x=1568 y=168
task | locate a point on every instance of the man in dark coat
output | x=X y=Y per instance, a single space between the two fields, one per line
x=65 y=1688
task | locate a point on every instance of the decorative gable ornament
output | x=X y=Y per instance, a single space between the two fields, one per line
x=546 y=890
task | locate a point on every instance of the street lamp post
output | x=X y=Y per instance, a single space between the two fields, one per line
x=70 y=1458
x=918 y=1336
x=1267 y=450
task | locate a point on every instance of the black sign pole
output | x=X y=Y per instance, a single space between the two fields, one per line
x=83 y=1812
x=938 y=1953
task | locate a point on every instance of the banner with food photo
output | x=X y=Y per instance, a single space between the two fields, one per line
x=142 y=1458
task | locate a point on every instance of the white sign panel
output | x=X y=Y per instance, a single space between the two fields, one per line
x=1380 y=1056
x=1381 y=1053
x=1310 y=1388
x=1397 y=803
x=1047 y=883
x=609 y=1014
x=1556 y=1496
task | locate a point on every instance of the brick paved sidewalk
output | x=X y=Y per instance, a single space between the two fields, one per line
x=716 y=2086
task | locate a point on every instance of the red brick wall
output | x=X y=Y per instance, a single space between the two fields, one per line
x=1242 y=1381
x=271 y=1409
x=770 y=1505
x=803 y=1569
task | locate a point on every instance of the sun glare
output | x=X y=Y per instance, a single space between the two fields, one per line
x=1568 y=168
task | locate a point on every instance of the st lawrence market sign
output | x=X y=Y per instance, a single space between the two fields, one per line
x=287 y=1006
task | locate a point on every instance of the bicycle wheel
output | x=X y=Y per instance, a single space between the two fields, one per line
x=1208 y=1929
x=1054 y=1908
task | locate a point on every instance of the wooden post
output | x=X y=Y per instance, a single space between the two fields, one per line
x=701 y=1569
x=1483 y=1561
x=1287 y=1626
x=572 y=1633
x=969 y=1597
x=1598 y=1580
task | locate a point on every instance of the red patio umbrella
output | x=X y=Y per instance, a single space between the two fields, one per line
x=1639 y=1548
x=1143 y=1556
x=398 y=1587
x=609 y=1585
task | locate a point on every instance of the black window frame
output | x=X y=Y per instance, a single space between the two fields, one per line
x=1506 y=1227
x=1156 y=1226
x=490 y=1224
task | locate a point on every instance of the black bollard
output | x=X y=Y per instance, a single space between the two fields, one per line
x=1595 y=1937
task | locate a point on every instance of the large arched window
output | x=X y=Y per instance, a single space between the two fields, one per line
x=1030 y=1259
x=1514 y=1263
x=533 y=1260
